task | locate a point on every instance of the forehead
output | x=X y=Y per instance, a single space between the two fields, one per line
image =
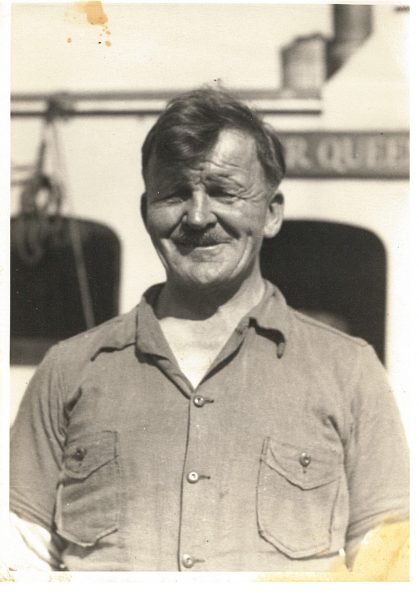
x=234 y=155
x=233 y=150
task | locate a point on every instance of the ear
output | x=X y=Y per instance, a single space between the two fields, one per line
x=274 y=216
x=143 y=207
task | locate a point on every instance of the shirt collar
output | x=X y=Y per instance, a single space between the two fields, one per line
x=115 y=334
x=149 y=336
x=269 y=317
x=140 y=326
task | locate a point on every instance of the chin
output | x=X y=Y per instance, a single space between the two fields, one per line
x=203 y=280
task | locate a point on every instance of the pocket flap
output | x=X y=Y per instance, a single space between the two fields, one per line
x=88 y=452
x=307 y=467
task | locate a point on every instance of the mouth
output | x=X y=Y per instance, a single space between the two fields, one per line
x=200 y=241
x=200 y=247
x=198 y=244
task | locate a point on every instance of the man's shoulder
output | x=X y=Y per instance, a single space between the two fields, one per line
x=325 y=332
x=116 y=333
x=321 y=348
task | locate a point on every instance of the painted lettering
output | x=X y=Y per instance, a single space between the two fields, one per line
x=296 y=153
x=347 y=154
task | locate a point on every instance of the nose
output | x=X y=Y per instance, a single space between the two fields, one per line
x=198 y=212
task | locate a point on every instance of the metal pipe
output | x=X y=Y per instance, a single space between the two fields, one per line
x=352 y=26
x=149 y=103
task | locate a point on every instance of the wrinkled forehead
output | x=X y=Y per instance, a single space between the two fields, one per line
x=233 y=156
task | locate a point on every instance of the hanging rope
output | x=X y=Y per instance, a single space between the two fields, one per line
x=75 y=236
x=40 y=210
x=40 y=217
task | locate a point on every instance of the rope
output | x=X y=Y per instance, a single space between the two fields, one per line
x=36 y=221
x=75 y=238
x=34 y=225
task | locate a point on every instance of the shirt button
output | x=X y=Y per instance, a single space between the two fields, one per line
x=79 y=453
x=199 y=401
x=192 y=477
x=305 y=459
x=187 y=561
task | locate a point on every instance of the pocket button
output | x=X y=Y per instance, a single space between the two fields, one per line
x=305 y=459
x=79 y=454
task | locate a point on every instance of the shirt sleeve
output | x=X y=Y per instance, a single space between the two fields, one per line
x=377 y=463
x=37 y=442
x=29 y=547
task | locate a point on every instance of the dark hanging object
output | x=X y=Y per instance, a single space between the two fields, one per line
x=65 y=271
x=46 y=304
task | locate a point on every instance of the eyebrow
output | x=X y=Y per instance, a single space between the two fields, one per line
x=172 y=180
x=221 y=180
x=180 y=180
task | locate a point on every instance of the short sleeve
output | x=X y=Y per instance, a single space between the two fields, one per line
x=377 y=463
x=37 y=441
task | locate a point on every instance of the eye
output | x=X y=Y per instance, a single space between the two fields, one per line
x=221 y=193
x=183 y=192
x=178 y=194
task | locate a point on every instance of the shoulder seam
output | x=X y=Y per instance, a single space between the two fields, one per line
x=318 y=324
x=115 y=321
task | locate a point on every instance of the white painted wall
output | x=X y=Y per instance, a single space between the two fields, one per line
x=156 y=46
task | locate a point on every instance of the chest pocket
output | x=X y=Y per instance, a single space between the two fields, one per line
x=296 y=495
x=87 y=496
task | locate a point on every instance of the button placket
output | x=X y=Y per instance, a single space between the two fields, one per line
x=194 y=477
x=197 y=477
x=189 y=561
x=200 y=401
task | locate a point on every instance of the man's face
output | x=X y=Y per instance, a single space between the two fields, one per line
x=208 y=222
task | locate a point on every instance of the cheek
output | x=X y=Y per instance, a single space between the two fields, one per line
x=250 y=224
x=160 y=222
x=243 y=219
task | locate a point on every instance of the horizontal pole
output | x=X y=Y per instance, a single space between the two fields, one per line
x=143 y=104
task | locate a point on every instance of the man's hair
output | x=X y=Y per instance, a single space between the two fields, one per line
x=189 y=127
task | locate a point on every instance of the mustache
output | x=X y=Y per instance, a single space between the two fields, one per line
x=200 y=238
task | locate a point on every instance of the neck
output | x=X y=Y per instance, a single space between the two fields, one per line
x=202 y=303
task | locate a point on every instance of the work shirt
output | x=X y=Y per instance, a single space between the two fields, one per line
x=289 y=450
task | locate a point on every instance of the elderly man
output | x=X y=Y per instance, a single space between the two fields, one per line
x=213 y=427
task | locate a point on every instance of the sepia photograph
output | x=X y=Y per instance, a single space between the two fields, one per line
x=209 y=292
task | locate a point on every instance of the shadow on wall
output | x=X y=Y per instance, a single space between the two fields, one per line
x=335 y=273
